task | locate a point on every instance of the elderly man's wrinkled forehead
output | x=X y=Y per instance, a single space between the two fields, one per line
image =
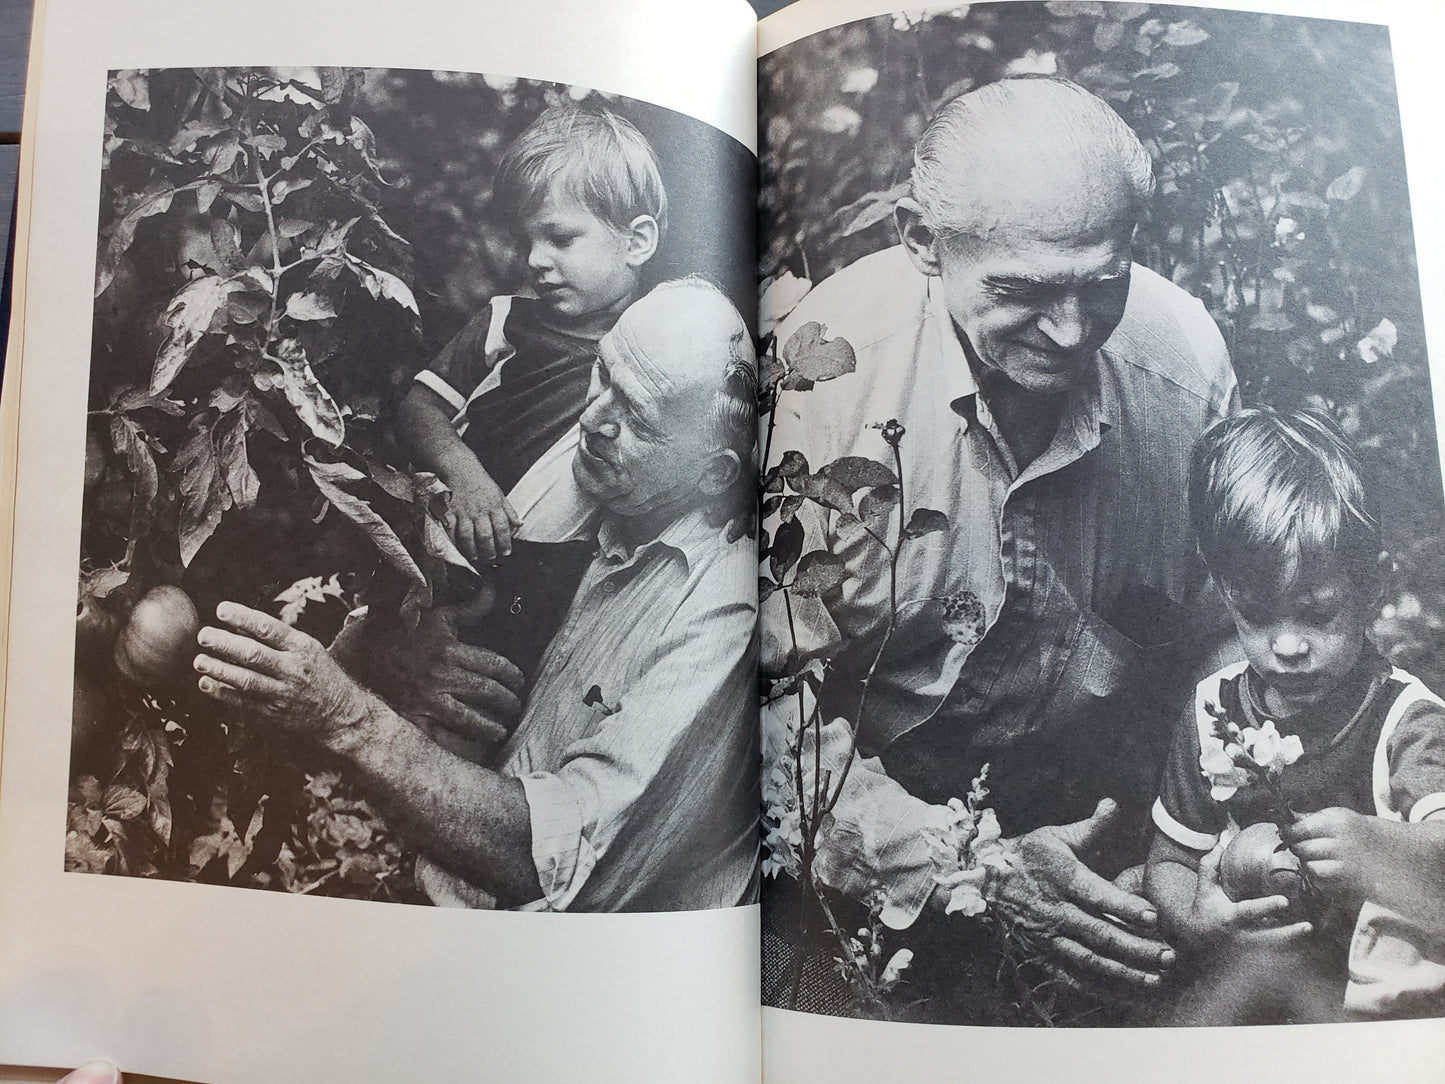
x=1012 y=151
x=674 y=341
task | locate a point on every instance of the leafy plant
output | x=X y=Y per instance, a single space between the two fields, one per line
x=247 y=285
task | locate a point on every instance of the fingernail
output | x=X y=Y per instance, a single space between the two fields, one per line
x=93 y=1072
x=204 y=636
x=1151 y=980
x=1166 y=958
x=224 y=610
x=1150 y=917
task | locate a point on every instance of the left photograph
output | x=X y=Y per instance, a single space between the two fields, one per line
x=417 y=558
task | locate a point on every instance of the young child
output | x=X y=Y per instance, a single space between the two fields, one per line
x=1284 y=526
x=495 y=414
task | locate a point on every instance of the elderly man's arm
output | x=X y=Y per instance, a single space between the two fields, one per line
x=474 y=820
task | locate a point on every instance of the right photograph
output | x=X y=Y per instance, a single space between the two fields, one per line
x=1102 y=583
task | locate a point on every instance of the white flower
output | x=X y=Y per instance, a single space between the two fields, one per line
x=840 y=120
x=1379 y=343
x=1033 y=63
x=897 y=964
x=860 y=80
x=965 y=890
x=1270 y=750
x=779 y=296
x=1224 y=775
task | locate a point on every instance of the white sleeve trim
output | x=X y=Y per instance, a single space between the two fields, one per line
x=1414 y=691
x=1427 y=806
x=1185 y=837
x=428 y=379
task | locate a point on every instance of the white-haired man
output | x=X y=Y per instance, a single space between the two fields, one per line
x=631 y=781
x=1049 y=392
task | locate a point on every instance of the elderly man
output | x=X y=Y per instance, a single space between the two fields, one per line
x=1049 y=392
x=631 y=781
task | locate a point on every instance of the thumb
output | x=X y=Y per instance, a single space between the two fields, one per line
x=1209 y=865
x=93 y=1072
x=1085 y=834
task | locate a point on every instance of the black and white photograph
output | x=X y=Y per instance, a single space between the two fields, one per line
x=417 y=559
x=1101 y=556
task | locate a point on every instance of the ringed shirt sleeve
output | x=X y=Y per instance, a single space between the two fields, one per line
x=1185 y=811
x=465 y=361
x=1416 y=752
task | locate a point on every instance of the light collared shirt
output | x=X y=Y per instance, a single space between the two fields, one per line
x=646 y=798
x=1075 y=565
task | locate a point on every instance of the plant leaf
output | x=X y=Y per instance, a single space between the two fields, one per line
x=818 y=573
x=382 y=284
x=204 y=496
x=854 y=472
x=786 y=548
x=312 y=402
x=815 y=358
x=309 y=305
x=241 y=480
x=330 y=478
x=925 y=521
x=186 y=319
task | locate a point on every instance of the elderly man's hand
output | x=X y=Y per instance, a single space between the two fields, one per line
x=280 y=673
x=466 y=697
x=1092 y=932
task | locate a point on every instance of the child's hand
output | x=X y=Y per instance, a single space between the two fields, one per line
x=1347 y=854
x=1214 y=917
x=480 y=519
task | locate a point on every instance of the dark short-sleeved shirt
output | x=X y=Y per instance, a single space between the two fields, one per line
x=516 y=386
x=1375 y=745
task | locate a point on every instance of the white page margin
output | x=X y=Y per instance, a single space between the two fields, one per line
x=799 y=1048
x=340 y=990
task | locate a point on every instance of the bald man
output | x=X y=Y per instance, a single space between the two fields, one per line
x=631 y=781
x=1050 y=391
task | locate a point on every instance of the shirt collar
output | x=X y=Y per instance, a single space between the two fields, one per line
x=688 y=535
x=1093 y=407
x=952 y=371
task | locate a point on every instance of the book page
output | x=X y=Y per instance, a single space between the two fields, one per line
x=282 y=268
x=1017 y=260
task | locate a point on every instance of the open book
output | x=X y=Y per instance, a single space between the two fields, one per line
x=384 y=396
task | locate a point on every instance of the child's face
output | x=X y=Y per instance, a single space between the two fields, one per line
x=584 y=270
x=1302 y=643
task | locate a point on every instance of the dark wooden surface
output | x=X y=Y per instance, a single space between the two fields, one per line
x=14 y=41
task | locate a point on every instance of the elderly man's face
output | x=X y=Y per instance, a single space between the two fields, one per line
x=645 y=443
x=1040 y=286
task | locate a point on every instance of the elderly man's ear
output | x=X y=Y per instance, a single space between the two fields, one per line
x=722 y=470
x=920 y=241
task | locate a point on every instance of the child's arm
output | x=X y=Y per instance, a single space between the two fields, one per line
x=481 y=520
x=1194 y=912
x=1353 y=857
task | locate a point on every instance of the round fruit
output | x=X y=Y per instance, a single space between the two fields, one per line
x=1257 y=864
x=159 y=640
x=97 y=620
